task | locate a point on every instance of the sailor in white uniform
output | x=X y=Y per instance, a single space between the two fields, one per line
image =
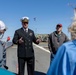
x=2 y=46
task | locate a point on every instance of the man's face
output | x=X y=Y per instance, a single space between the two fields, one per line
x=25 y=24
x=59 y=29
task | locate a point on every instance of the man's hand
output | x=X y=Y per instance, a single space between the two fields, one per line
x=20 y=40
x=38 y=40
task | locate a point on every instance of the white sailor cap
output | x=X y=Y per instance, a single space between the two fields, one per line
x=2 y=26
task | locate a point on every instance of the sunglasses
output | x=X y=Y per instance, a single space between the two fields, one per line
x=25 y=22
x=4 y=29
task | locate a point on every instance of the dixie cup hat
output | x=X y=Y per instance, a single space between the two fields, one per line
x=2 y=26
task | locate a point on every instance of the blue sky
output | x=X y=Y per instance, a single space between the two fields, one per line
x=48 y=13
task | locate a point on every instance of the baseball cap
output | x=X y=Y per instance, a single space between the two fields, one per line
x=59 y=25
